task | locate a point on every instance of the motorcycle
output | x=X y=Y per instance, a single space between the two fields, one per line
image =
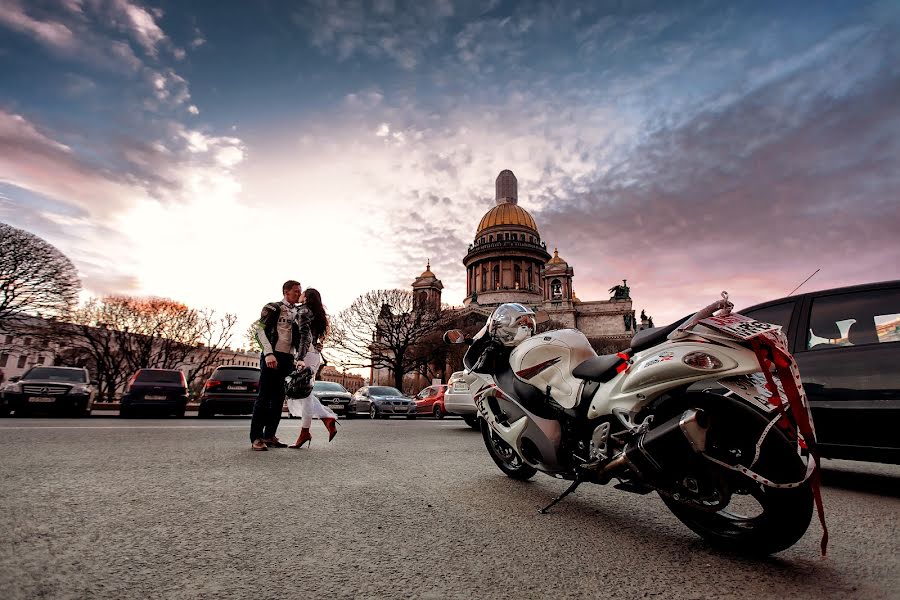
x=736 y=464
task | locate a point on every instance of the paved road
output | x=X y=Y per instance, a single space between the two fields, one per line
x=181 y=508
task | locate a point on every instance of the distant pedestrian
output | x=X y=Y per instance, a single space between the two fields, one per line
x=278 y=334
x=313 y=328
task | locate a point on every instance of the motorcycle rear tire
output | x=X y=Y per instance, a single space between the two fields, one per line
x=786 y=512
x=504 y=456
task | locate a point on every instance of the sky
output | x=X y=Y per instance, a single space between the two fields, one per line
x=207 y=152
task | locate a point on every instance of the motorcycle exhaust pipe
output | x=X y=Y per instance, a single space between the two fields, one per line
x=663 y=448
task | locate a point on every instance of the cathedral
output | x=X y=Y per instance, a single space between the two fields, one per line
x=509 y=262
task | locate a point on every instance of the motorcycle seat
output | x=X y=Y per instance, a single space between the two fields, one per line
x=600 y=368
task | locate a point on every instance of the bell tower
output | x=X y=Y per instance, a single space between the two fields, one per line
x=557 y=279
x=427 y=290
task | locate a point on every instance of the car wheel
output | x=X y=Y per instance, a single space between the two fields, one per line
x=348 y=414
x=410 y=417
x=86 y=411
x=204 y=413
x=438 y=412
x=472 y=421
x=373 y=413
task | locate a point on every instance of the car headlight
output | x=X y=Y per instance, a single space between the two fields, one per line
x=80 y=389
x=12 y=388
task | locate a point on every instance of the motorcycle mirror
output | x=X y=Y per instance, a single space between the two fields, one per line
x=541 y=317
x=454 y=336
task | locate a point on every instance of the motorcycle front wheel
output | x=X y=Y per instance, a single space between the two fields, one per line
x=738 y=514
x=504 y=456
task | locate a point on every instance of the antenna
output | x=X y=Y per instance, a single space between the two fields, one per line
x=804 y=281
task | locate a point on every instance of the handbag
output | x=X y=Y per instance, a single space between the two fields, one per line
x=299 y=383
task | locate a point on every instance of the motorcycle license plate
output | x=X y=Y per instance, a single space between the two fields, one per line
x=739 y=326
x=237 y=387
x=460 y=387
x=41 y=399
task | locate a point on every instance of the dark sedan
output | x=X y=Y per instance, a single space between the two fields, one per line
x=847 y=345
x=50 y=389
x=381 y=402
x=160 y=391
x=230 y=390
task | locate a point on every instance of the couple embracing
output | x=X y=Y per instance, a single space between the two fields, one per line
x=290 y=334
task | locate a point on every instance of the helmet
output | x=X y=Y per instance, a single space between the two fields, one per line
x=299 y=383
x=512 y=323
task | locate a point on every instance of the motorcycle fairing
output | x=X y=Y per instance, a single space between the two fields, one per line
x=546 y=360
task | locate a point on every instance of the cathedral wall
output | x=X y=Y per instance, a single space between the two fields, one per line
x=602 y=318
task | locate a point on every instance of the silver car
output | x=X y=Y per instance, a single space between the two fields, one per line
x=381 y=402
x=458 y=398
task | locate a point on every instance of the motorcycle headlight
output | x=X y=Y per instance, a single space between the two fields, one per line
x=702 y=360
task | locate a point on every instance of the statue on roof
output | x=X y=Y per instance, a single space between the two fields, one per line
x=620 y=292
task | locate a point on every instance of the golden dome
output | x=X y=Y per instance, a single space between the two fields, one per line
x=556 y=260
x=427 y=272
x=506 y=214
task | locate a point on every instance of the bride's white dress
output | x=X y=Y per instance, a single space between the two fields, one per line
x=310 y=408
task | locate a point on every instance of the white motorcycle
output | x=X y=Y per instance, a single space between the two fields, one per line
x=735 y=467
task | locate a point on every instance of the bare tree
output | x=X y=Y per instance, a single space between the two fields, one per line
x=382 y=329
x=35 y=277
x=117 y=335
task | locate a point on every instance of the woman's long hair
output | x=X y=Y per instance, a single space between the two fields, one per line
x=319 y=323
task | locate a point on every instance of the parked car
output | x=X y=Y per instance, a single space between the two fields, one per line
x=333 y=395
x=49 y=389
x=458 y=398
x=230 y=390
x=160 y=391
x=430 y=401
x=847 y=345
x=381 y=402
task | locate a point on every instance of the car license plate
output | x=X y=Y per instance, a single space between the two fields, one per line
x=237 y=387
x=154 y=397
x=335 y=406
x=41 y=399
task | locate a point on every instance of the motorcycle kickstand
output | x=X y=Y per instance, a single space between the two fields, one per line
x=568 y=491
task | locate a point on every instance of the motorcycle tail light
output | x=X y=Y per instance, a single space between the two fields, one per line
x=702 y=360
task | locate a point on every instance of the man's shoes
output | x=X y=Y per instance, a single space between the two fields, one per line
x=274 y=443
x=259 y=445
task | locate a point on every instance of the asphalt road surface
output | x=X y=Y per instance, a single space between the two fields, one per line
x=181 y=508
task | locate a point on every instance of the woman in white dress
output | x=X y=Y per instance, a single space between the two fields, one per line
x=313 y=322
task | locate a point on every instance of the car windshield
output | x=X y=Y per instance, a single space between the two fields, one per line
x=51 y=374
x=236 y=374
x=384 y=391
x=158 y=376
x=328 y=386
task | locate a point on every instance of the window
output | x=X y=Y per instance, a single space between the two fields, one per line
x=40 y=360
x=22 y=360
x=779 y=314
x=522 y=237
x=4 y=358
x=517 y=274
x=496 y=277
x=27 y=341
x=483 y=278
x=856 y=319
x=9 y=339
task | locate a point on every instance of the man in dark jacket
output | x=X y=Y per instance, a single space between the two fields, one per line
x=278 y=334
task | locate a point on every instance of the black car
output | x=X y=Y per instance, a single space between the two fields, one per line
x=333 y=395
x=159 y=391
x=229 y=390
x=847 y=345
x=49 y=389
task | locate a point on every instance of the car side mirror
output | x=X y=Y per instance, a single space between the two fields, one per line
x=454 y=336
x=15 y=378
x=94 y=382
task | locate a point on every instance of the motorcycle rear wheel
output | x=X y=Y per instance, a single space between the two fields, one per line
x=504 y=456
x=757 y=519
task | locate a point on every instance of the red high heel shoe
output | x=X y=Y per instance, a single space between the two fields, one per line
x=330 y=426
x=303 y=438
